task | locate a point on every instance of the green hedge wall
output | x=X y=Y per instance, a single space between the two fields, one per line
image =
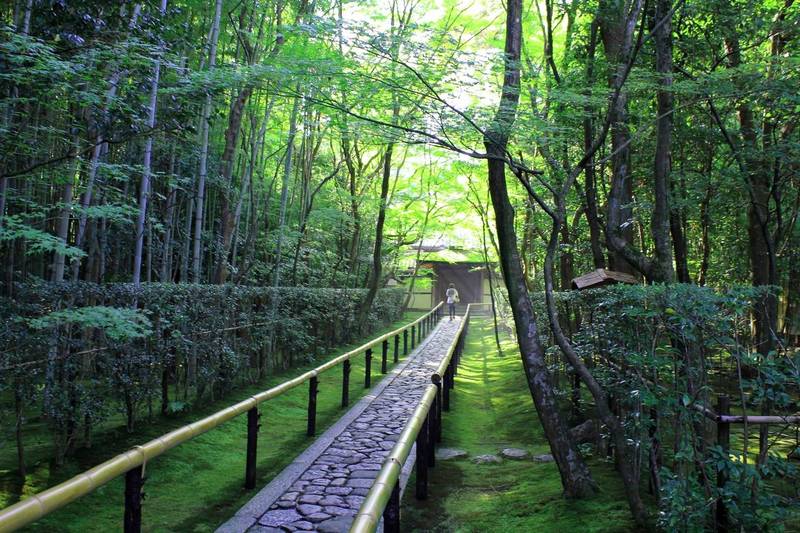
x=75 y=354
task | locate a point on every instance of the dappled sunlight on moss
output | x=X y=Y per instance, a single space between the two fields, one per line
x=492 y=409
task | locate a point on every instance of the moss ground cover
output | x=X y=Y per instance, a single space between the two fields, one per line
x=491 y=410
x=198 y=485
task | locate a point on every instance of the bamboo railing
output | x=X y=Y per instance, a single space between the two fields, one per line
x=423 y=428
x=131 y=463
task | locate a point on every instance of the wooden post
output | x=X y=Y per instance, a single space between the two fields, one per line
x=253 y=417
x=405 y=342
x=384 y=355
x=419 y=332
x=422 y=460
x=396 y=348
x=391 y=514
x=413 y=336
x=346 y=383
x=133 y=500
x=439 y=412
x=368 y=368
x=431 y=442
x=446 y=388
x=312 y=406
x=724 y=441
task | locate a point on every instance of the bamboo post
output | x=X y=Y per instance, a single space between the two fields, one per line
x=413 y=336
x=384 y=355
x=405 y=342
x=368 y=368
x=346 y=383
x=391 y=515
x=446 y=388
x=422 y=459
x=312 y=406
x=253 y=417
x=438 y=405
x=134 y=480
x=430 y=435
x=396 y=348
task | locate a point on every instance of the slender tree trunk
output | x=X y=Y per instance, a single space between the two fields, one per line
x=626 y=463
x=590 y=185
x=19 y=420
x=24 y=30
x=276 y=273
x=762 y=248
x=490 y=276
x=679 y=244
x=575 y=476
x=410 y=293
x=377 y=252
x=62 y=229
x=619 y=226
x=228 y=154
x=705 y=222
x=144 y=186
x=197 y=251
x=165 y=273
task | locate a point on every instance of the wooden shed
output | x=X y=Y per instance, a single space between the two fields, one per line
x=602 y=277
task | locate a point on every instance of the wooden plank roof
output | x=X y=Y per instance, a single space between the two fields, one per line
x=601 y=277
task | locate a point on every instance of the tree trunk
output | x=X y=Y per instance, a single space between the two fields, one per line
x=575 y=476
x=626 y=463
x=276 y=274
x=197 y=251
x=377 y=252
x=590 y=185
x=619 y=224
x=144 y=186
x=705 y=222
x=660 y=223
x=165 y=273
x=19 y=419
x=62 y=229
x=228 y=154
x=763 y=266
x=24 y=30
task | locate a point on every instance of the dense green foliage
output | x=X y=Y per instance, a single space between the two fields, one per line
x=663 y=351
x=77 y=354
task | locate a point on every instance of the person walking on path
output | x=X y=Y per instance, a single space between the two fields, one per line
x=452 y=299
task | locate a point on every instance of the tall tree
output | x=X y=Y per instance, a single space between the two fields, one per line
x=200 y=195
x=575 y=476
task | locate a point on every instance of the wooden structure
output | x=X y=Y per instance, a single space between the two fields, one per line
x=602 y=277
x=469 y=277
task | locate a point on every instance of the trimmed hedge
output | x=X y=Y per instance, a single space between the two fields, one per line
x=82 y=352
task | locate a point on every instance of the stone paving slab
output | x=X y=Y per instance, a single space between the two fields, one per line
x=324 y=487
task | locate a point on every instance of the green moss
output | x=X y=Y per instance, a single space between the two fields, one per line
x=491 y=410
x=199 y=484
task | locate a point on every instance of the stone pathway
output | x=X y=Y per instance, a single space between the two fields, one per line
x=326 y=493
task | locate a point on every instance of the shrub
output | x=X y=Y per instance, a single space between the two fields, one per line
x=84 y=351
